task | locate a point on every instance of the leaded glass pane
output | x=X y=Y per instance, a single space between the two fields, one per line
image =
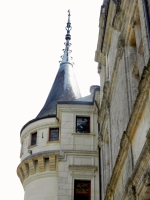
x=54 y=134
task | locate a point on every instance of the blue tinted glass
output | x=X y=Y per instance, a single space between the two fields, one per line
x=54 y=134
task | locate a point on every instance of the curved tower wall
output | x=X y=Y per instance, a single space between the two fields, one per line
x=42 y=188
x=38 y=168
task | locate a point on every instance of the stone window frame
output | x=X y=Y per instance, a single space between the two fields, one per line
x=79 y=175
x=89 y=123
x=32 y=135
x=49 y=134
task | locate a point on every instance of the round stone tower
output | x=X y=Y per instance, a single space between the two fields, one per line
x=40 y=137
x=59 y=157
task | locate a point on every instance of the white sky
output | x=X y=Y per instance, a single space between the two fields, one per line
x=32 y=36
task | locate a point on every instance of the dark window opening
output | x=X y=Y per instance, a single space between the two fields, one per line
x=82 y=190
x=33 y=138
x=53 y=134
x=83 y=124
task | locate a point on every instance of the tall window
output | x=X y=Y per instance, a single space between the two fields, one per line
x=33 y=138
x=82 y=190
x=53 y=134
x=83 y=124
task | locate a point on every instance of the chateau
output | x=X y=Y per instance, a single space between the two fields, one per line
x=96 y=147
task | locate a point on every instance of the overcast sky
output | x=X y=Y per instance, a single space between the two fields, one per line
x=32 y=36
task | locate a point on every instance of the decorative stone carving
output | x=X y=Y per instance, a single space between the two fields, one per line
x=99 y=68
x=109 y=192
x=100 y=140
x=146 y=179
x=132 y=193
x=107 y=108
x=120 y=47
x=124 y=141
x=145 y=80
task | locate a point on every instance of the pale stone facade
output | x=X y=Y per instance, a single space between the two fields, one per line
x=123 y=56
x=50 y=171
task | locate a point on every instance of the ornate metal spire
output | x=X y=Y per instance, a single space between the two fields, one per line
x=66 y=57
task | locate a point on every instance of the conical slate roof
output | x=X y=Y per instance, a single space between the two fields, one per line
x=65 y=87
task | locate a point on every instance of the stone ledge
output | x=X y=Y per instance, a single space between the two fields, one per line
x=83 y=167
x=53 y=142
x=32 y=146
x=83 y=134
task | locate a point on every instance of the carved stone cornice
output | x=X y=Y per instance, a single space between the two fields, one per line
x=29 y=167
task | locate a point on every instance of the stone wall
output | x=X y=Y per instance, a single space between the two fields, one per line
x=123 y=58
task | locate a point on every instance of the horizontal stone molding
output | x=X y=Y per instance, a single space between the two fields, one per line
x=64 y=153
x=83 y=167
x=83 y=134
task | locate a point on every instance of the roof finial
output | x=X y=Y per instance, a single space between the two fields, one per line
x=69 y=15
x=68 y=27
x=66 y=57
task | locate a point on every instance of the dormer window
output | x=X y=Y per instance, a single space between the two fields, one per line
x=83 y=124
x=53 y=134
x=33 y=138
